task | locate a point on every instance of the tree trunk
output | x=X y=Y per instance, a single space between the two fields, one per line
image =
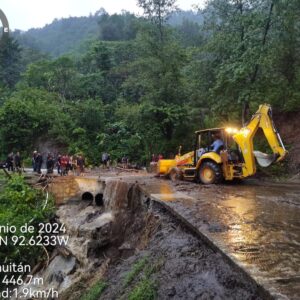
x=267 y=27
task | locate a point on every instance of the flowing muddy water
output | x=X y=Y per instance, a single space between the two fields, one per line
x=257 y=226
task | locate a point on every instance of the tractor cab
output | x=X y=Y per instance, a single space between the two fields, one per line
x=212 y=148
x=209 y=140
x=217 y=140
x=205 y=163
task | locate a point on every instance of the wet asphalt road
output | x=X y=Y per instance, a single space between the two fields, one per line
x=256 y=225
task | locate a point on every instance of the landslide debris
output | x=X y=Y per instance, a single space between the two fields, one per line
x=132 y=248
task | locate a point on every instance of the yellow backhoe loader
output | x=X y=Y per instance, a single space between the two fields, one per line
x=226 y=153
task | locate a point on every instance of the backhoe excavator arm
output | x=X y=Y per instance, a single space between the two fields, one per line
x=244 y=138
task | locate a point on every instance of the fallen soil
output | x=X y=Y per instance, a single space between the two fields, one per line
x=184 y=266
x=139 y=251
x=288 y=124
x=134 y=246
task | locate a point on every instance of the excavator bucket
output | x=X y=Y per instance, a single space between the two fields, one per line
x=263 y=159
x=165 y=165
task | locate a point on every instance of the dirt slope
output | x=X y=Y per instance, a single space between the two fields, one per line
x=178 y=265
x=289 y=129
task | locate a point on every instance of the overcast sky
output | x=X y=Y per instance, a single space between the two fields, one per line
x=25 y=14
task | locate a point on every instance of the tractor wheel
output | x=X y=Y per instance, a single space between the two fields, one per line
x=175 y=174
x=210 y=173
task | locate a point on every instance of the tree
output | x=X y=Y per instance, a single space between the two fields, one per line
x=58 y=76
x=9 y=61
x=118 y=27
x=158 y=11
x=190 y=33
x=30 y=114
x=240 y=36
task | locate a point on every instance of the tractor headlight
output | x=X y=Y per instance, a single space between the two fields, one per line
x=231 y=130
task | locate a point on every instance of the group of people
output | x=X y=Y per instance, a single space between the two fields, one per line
x=123 y=162
x=76 y=164
x=13 y=162
x=64 y=163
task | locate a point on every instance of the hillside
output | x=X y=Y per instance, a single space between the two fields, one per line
x=69 y=34
x=139 y=89
x=60 y=36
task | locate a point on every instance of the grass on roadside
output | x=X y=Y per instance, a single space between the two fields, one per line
x=144 y=290
x=95 y=291
x=137 y=268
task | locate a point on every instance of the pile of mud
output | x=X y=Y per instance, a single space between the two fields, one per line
x=181 y=266
x=137 y=250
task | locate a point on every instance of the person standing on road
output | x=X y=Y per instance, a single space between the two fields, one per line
x=34 y=155
x=18 y=161
x=125 y=161
x=39 y=162
x=80 y=164
x=67 y=161
x=50 y=164
x=74 y=164
x=70 y=163
x=63 y=165
x=10 y=162
x=104 y=159
x=58 y=164
x=108 y=161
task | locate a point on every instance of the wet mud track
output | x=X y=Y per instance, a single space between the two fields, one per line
x=256 y=226
x=181 y=266
x=180 y=240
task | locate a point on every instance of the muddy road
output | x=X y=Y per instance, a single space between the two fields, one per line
x=181 y=266
x=142 y=251
x=151 y=238
x=256 y=224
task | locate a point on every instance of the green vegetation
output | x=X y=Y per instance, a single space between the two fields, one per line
x=144 y=287
x=95 y=291
x=137 y=268
x=141 y=86
x=20 y=205
x=74 y=34
x=144 y=290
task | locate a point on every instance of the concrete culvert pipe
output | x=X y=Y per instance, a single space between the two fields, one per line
x=87 y=196
x=99 y=200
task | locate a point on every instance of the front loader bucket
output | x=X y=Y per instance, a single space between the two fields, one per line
x=165 y=165
x=263 y=159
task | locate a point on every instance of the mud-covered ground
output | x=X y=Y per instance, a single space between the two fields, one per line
x=144 y=252
x=178 y=265
x=135 y=248
x=255 y=222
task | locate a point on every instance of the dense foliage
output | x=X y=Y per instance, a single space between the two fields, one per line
x=143 y=86
x=20 y=205
x=74 y=34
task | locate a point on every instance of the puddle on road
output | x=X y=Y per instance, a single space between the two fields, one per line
x=258 y=226
x=163 y=188
x=265 y=234
x=165 y=192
